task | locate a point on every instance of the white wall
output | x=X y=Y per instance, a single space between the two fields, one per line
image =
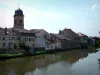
x=8 y=40
x=58 y=45
x=50 y=47
x=40 y=42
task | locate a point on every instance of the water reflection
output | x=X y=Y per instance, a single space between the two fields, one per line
x=99 y=63
x=64 y=63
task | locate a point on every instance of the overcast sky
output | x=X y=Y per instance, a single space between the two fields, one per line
x=54 y=15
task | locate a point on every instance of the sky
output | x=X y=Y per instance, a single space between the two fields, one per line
x=54 y=15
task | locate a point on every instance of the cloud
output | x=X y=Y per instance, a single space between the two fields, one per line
x=95 y=6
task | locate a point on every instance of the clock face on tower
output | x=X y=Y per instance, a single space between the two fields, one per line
x=19 y=19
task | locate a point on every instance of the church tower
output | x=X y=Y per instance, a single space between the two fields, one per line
x=19 y=19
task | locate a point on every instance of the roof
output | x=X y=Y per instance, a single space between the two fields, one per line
x=69 y=33
x=23 y=30
x=39 y=32
x=18 y=12
x=80 y=34
x=13 y=31
x=60 y=36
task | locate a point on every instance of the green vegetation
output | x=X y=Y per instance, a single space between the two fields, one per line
x=37 y=52
x=97 y=45
x=10 y=55
x=22 y=45
x=91 y=47
x=15 y=46
x=25 y=47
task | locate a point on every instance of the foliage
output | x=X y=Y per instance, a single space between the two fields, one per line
x=37 y=52
x=97 y=43
x=22 y=45
x=7 y=55
x=27 y=48
x=15 y=46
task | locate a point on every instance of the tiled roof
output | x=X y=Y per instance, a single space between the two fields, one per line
x=60 y=36
x=23 y=30
x=39 y=32
x=70 y=33
x=80 y=34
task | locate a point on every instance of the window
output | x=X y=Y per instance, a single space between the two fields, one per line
x=32 y=39
x=12 y=38
x=3 y=44
x=17 y=38
x=3 y=38
x=29 y=39
x=26 y=39
x=20 y=21
x=45 y=36
x=9 y=38
x=14 y=21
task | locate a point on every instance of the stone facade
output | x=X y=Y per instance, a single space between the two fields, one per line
x=19 y=19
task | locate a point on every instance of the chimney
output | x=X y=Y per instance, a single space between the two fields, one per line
x=5 y=31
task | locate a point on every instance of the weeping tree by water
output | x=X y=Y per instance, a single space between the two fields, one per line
x=22 y=45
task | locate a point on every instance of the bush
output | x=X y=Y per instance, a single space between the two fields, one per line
x=21 y=45
x=97 y=44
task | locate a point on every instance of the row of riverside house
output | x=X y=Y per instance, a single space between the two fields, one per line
x=41 y=39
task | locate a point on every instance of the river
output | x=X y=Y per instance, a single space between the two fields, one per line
x=64 y=63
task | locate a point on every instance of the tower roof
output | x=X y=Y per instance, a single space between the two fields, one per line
x=18 y=12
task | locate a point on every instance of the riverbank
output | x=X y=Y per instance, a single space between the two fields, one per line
x=39 y=52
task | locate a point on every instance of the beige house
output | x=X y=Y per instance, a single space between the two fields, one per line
x=75 y=39
x=57 y=41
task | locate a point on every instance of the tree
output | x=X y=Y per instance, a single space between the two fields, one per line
x=15 y=46
x=22 y=45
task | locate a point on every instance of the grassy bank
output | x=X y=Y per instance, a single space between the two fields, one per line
x=10 y=55
x=7 y=56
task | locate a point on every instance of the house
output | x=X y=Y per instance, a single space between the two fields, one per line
x=40 y=40
x=74 y=38
x=92 y=41
x=11 y=36
x=58 y=41
x=6 y=39
x=25 y=36
x=83 y=39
